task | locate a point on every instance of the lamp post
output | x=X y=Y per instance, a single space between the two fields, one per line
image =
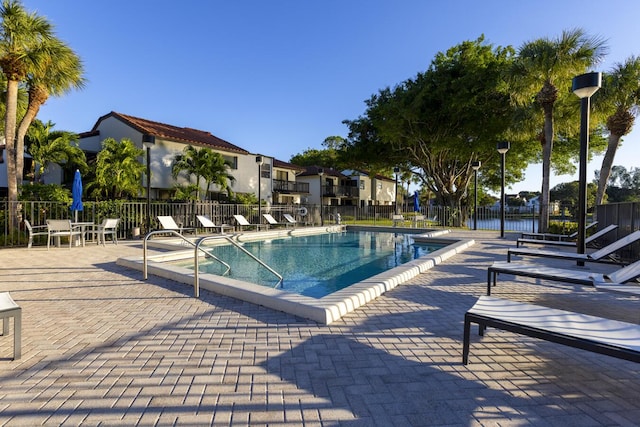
x=148 y=141
x=396 y=170
x=475 y=166
x=503 y=147
x=259 y=162
x=320 y=173
x=584 y=86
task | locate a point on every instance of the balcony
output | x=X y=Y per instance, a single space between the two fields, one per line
x=290 y=187
x=339 y=191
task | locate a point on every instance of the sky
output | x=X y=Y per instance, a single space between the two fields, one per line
x=278 y=77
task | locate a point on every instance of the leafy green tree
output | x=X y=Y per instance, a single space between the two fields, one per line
x=206 y=165
x=542 y=70
x=438 y=123
x=567 y=194
x=621 y=93
x=118 y=170
x=332 y=156
x=46 y=146
x=23 y=37
x=623 y=185
x=46 y=192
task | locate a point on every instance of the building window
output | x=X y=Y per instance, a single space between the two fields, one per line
x=362 y=185
x=232 y=161
x=265 y=170
x=379 y=186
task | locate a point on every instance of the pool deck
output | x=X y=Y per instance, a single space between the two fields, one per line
x=101 y=346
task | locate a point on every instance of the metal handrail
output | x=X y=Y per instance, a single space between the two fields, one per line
x=196 y=284
x=144 y=250
x=196 y=276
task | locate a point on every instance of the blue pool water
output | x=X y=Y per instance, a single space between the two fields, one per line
x=317 y=265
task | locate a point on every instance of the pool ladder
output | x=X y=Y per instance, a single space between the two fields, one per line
x=197 y=250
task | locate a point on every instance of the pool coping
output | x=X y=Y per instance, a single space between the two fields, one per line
x=323 y=310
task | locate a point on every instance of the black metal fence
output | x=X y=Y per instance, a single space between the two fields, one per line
x=627 y=217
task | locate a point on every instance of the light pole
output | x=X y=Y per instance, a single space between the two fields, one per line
x=475 y=165
x=148 y=141
x=259 y=162
x=584 y=86
x=503 y=147
x=396 y=170
x=320 y=173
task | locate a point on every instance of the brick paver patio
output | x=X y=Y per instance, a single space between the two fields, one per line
x=101 y=346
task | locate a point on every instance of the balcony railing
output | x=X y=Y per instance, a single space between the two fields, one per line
x=339 y=191
x=282 y=186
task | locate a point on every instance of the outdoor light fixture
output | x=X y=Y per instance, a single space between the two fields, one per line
x=475 y=166
x=396 y=170
x=584 y=86
x=320 y=173
x=148 y=141
x=503 y=147
x=259 y=162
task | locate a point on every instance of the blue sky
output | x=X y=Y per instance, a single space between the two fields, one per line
x=278 y=77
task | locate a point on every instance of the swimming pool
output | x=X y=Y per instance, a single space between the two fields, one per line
x=323 y=310
x=317 y=265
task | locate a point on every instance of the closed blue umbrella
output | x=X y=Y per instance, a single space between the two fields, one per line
x=76 y=193
x=416 y=202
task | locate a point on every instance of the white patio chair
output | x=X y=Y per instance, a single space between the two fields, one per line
x=207 y=223
x=291 y=220
x=108 y=226
x=35 y=230
x=242 y=222
x=168 y=223
x=62 y=228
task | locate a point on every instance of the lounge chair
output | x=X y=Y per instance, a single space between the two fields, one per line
x=589 y=240
x=62 y=228
x=168 y=223
x=551 y=236
x=108 y=226
x=242 y=222
x=397 y=219
x=272 y=221
x=291 y=220
x=207 y=224
x=37 y=230
x=580 y=277
x=596 y=334
x=601 y=255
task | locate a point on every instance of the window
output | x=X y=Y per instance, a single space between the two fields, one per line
x=232 y=160
x=282 y=175
x=362 y=185
x=265 y=170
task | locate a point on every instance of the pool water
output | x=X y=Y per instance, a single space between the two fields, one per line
x=317 y=265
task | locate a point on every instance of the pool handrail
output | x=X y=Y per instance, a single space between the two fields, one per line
x=197 y=248
x=196 y=284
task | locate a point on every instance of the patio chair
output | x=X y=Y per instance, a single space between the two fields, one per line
x=272 y=221
x=108 y=226
x=552 y=236
x=397 y=219
x=242 y=222
x=589 y=240
x=62 y=228
x=168 y=223
x=579 y=277
x=601 y=255
x=8 y=309
x=207 y=223
x=37 y=230
x=291 y=220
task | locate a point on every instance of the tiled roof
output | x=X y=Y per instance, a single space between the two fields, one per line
x=284 y=165
x=313 y=170
x=174 y=133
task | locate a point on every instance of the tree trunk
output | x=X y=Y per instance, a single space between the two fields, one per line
x=607 y=164
x=547 y=148
x=37 y=97
x=10 y=136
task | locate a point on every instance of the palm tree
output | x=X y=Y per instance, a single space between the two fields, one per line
x=47 y=146
x=118 y=170
x=22 y=37
x=621 y=92
x=541 y=68
x=203 y=164
x=61 y=70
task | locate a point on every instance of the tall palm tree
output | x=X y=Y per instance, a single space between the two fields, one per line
x=542 y=71
x=46 y=146
x=621 y=91
x=118 y=170
x=61 y=70
x=203 y=164
x=22 y=36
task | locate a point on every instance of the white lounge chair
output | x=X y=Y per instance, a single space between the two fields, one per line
x=272 y=221
x=397 y=220
x=580 y=277
x=601 y=255
x=598 y=234
x=108 y=226
x=552 y=236
x=37 y=230
x=62 y=228
x=291 y=220
x=168 y=223
x=207 y=223
x=242 y=222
